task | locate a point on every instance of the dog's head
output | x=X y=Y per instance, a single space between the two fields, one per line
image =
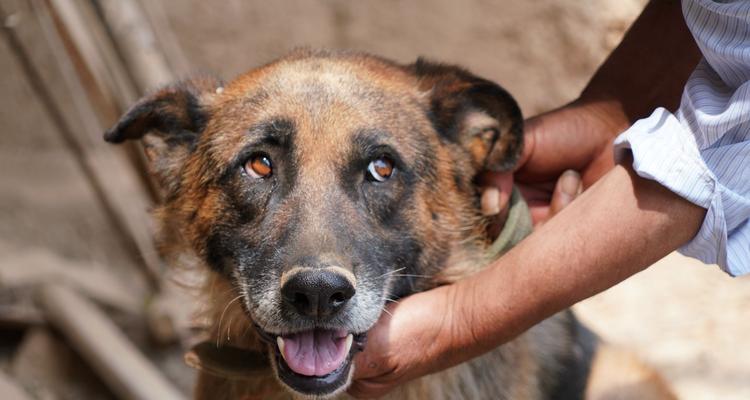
x=322 y=185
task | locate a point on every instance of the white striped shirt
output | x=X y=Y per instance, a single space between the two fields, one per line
x=702 y=152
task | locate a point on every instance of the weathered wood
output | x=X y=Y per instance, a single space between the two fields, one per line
x=90 y=38
x=103 y=73
x=10 y=390
x=166 y=37
x=49 y=369
x=58 y=87
x=37 y=267
x=117 y=361
x=20 y=317
x=94 y=48
x=137 y=43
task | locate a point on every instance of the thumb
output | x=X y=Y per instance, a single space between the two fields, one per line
x=568 y=187
x=496 y=190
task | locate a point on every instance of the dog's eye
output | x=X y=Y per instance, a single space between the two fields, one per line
x=258 y=166
x=380 y=169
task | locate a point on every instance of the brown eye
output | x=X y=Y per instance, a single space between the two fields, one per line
x=380 y=169
x=259 y=166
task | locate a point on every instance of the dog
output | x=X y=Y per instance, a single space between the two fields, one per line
x=317 y=188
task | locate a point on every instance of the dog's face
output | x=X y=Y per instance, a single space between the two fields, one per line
x=323 y=185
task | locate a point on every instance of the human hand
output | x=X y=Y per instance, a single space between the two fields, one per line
x=565 y=151
x=413 y=338
x=409 y=340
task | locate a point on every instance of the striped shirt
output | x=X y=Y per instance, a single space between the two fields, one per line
x=702 y=152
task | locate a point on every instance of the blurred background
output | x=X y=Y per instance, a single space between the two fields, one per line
x=75 y=236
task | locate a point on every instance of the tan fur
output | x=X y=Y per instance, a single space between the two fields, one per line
x=329 y=97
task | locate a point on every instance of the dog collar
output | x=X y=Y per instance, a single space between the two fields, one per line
x=517 y=226
x=226 y=361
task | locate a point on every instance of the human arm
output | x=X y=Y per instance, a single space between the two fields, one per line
x=647 y=70
x=567 y=260
x=536 y=279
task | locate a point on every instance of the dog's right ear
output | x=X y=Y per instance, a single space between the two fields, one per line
x=169 y=121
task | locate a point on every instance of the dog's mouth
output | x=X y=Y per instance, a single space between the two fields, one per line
x=316 y=352
x=316 y=361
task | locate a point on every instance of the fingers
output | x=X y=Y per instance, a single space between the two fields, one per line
x=364 y=389
x=570 y=137
x=493 y=201
x=496 y=191
x=559 y=142
x=374 y=369
x=547 y=199
x=539 y=213
x=368 y=365
x=537 y=198
x=568 y=187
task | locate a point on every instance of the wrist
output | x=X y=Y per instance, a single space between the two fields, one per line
x=576 y=136
x=463 y=333
x=603 y=117
x=450 y=340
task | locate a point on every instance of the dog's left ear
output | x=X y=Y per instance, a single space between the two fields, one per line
x=473 y=112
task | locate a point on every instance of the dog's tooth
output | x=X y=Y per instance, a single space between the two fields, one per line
x=349 y=340
x=280 y=343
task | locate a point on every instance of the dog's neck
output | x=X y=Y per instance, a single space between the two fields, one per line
x=468 y=261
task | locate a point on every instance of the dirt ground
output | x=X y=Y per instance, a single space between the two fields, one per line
x=687 y=319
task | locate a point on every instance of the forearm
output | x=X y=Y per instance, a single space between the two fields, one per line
x=647 y=70
x=617 y=228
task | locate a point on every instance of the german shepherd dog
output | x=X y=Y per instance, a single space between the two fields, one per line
x=318 y=187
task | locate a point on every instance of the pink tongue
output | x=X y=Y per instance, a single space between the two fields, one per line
x=315 y=353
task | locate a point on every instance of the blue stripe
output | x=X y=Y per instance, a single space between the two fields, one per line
x=702 y=152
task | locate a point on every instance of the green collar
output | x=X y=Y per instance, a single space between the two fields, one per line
x=517 y=226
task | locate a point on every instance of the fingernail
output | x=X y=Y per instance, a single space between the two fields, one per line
x=569 y=182
x=490 y=201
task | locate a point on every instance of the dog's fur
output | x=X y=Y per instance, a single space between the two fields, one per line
x=321 y=116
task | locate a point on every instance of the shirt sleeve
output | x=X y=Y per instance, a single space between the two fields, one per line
x=702 y=152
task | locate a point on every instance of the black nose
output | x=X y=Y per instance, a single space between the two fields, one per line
x=317 y=293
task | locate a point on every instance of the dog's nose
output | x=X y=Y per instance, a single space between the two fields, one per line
x=317 y=292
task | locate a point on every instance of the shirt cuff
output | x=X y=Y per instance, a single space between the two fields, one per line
x=665 y=152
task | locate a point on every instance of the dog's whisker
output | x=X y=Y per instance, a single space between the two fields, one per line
x=390 y=272
x=229 y=329
x=412 y=275
x=221 y=318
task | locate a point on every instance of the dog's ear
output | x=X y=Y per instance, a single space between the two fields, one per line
x=170 y=122
x=473 y=112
